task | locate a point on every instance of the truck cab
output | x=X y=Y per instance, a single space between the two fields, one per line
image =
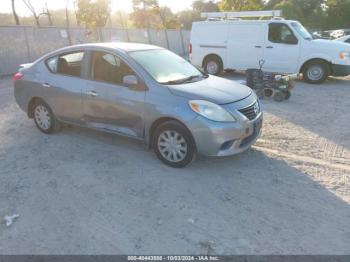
x=225 y=42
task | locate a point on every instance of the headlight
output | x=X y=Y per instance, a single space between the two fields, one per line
x=211 y=111
x=344 y=55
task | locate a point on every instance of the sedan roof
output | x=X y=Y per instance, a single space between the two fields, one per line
x=121 y=46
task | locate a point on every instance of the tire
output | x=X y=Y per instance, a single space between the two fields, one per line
x=260 y=93
x=316 y=72
x=44 y=118
x=213 y=65
x=278 y=96
x=268 y=92
x=287 y=94
x=173 y=136
x=230 y=71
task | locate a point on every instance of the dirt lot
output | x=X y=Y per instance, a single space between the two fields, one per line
x=85 y=192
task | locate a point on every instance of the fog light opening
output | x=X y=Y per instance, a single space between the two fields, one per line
x=227 y=145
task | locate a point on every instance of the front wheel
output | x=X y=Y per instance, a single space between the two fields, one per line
x=44 y=118
x=174 y=145
x=316 y=72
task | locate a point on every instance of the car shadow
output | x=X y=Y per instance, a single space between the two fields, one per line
x=110 y=195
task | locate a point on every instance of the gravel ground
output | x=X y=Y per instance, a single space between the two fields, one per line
x=85 y=192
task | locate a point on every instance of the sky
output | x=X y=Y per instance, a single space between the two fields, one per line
x=124 y=5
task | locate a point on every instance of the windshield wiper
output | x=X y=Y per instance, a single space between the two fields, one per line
x=183 y=80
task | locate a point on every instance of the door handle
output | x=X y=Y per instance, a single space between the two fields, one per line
x=46 y=85
x=269 y=47
x=92 y=93
x=258 y=46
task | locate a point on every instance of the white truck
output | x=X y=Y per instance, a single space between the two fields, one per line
x=226 y=41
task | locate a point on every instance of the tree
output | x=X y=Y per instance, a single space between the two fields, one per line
x=186 y=17
x=167 y=18
x=338 y=13
x=47 y=13
x=32 y=10
x=308 y=12
x=240 y=5
x=68 y=23
x=15 y=16
x=143 y=13
x=93 y=14
x=205 y=6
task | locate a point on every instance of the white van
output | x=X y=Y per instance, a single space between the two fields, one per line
x=222 y=43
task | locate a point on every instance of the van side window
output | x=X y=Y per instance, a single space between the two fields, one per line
x=281 y=33
x=109 y=68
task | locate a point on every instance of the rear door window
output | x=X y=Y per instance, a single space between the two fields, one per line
x=66 y=64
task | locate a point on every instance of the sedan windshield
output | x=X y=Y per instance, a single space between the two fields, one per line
x=166 y=67
x=302 y=31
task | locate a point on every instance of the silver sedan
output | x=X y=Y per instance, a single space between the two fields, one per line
x=144 y=92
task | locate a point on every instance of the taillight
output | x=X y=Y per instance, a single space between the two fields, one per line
x=17 y=76
x=190 y=48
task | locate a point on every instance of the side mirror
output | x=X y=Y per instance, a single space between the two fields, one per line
x=130 y=80
x=291 y=40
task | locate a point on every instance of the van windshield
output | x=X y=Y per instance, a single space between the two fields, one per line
x=302 y=31
x=166 y=67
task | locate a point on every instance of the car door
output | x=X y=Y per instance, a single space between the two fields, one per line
x=282 y=49
x=246 y=42
x=63 y=85
x=109 y=103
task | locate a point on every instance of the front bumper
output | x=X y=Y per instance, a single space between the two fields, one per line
x=340 y=70
x=225 y=139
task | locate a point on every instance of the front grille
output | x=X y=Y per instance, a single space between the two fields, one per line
x=251 y=112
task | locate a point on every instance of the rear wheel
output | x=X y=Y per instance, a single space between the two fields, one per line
x=260 y=93
x=174 y=145
x=279 y=96
x=316 y=72
x=287 y=94
x=213 y=65
x=44 y=118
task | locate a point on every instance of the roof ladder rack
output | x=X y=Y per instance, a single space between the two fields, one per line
x=227 y=15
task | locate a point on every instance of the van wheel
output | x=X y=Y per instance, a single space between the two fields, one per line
x=174 y=145
x=213 y=65
x=316 y=72
x=44 y=118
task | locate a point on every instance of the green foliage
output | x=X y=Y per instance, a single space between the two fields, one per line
x=147 y=13
x=144 y=15
x=93 y=14
x=240 y=5
x=318 y=14
x=338 y=13
x=186 y=17
x=205 y=6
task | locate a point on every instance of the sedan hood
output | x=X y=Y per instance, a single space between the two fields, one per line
x=214 y=89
